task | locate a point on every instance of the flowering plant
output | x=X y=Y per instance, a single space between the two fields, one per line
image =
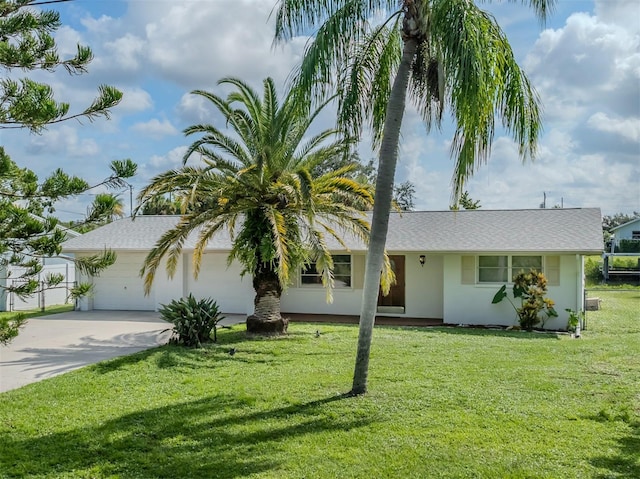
x=534 y=307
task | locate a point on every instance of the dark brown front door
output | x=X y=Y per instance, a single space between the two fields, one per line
x=395 y=298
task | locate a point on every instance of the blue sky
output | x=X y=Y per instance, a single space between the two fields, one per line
x=585 y=64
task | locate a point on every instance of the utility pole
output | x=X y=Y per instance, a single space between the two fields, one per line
x=544 y=200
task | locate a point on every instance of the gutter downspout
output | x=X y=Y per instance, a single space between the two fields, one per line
x=581 y=297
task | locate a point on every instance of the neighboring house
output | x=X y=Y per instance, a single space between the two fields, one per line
x=448 y=266
x=10 y=275
x=628 y=233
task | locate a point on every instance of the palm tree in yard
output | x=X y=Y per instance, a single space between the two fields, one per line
x=439 y=53
x=256 y=182
x=106 y=207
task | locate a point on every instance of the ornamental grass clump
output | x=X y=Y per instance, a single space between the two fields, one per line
x=534 y=308
x=193 y=320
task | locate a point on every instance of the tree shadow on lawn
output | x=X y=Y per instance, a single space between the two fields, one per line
x=626 y=462
x=221 y=436
x=172 y=356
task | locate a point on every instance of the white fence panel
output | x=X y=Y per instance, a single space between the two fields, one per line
x=48 y=297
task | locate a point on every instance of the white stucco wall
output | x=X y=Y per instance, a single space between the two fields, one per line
x=120 y=286
x=471 y=303
x=423 y=291
x=232 y=293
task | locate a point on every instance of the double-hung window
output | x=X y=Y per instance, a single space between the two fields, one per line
x=310 y=276
x=502 y=268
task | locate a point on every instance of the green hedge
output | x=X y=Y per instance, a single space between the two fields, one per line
x=628 y=246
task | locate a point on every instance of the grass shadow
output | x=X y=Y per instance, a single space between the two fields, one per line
x=625 y=463
x=222 y=436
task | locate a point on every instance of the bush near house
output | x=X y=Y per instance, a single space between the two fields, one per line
x=193 y=320
x=534 y=308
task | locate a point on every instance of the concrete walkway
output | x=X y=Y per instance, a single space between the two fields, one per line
x=59 y=343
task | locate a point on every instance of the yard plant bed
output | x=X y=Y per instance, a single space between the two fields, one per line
x=443 y=403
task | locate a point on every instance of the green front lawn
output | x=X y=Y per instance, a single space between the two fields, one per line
x=455 y=403
x=32 y=313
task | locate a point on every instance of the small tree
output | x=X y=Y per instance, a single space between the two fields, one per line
x=534 y=308
x=26 y=235
x=466 y=203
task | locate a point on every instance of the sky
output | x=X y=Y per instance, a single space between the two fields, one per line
x=584 y=63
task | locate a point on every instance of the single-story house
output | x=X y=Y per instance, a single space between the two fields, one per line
x=628 y=233
x=448 y=265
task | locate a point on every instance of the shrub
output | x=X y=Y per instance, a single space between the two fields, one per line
x=575 y=318
x=628 y=246
x=530 y=288
x=10 y=326
x=193 y=320
x=593 y=270
x=625 y=262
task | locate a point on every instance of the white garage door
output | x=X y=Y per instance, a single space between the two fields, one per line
x=222 y=284
x=120 y=287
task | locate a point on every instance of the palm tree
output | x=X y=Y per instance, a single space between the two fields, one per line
x=106 y=207
x=442 y=53
x=257 y=183
x=161 y=205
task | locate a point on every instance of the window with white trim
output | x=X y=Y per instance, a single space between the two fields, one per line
x=310 y=276
x=502 y=268
x=493 y=269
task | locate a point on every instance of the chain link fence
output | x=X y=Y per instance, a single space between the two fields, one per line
x=46 y=296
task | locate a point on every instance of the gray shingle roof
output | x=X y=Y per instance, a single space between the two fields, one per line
x=540 y=230
x=635 y=220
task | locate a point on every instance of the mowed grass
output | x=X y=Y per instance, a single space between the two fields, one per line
x=37 y=312
x=449 y=403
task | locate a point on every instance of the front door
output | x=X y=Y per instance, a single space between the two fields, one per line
x=394 y=301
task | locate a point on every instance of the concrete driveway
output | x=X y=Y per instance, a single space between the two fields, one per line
x=59 y=343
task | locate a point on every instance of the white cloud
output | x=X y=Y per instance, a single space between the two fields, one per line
x=627 y=128
x=126 y=52
x=196 y=43
x=160 y=163
x=195 y=109
x=155 y=128
x=62 y=141
x=134 y=100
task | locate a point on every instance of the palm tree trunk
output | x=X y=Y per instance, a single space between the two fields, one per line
x=266 y=318
x=381 y=209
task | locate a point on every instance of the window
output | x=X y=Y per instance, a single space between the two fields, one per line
x=493 y=269
x=635 y=235
x=310 y=276
x=525 y=263
x=502 y=269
